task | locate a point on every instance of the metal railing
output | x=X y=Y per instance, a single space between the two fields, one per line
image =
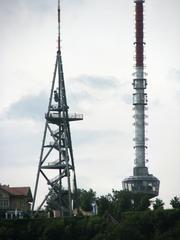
x=70 y=115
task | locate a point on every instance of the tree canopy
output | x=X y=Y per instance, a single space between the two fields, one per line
x=175 y=202
x=158 y=204
x=85 y=199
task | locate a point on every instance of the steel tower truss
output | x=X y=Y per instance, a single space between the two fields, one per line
x=56 y=152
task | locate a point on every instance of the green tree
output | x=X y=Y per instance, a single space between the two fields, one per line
x=175 y=202
x=86 y=198
x=52 y=203
x=104 y=204
x=124 y=201
x=58 y=199
x=53 y=230
x=158 y=204
x=141 y=201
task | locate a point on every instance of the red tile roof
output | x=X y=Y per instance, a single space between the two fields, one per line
x=17 y=191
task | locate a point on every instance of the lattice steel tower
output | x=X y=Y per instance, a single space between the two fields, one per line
x=141 y=181
x=56 y=151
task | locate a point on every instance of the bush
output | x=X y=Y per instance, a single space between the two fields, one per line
x=144 y=225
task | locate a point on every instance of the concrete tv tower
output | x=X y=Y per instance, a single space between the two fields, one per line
x=56 y=163
x=141 y=181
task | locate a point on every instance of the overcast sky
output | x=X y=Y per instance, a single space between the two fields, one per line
x=97 y=49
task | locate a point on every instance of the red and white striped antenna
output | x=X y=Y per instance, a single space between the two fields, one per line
x=59 y=27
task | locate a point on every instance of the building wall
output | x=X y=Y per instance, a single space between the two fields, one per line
x=4 y=200
x=10 y=202
x=19 y=203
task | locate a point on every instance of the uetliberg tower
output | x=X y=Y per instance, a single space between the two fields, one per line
x=56 y=164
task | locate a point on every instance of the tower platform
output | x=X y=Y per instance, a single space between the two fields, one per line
x=142 y=184
x=56 y=118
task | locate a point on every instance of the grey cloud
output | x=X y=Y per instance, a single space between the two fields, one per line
x=115 y=87
x=70 y=3
x=83 y=95
x=11 y=6
x=174 y=74
x=76 y=98
x=94 y=136
x=155 y=103
x=177 y=74
x=32 y=107
x=35 y=106
x=127 y=98
x=98 y=82
x=19 y=145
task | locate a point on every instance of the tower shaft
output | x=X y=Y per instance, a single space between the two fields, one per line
x=141 y=181
x=139 y=33
x=139 y=96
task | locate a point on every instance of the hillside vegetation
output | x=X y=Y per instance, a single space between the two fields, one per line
x=145 y=225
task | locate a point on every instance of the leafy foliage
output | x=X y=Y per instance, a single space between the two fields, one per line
x=122 y=201
x=114 y=204
x=86 y=198
x=104 y=204
x=158 y=204
x=134 y=225
x=135 y=220
x=175 y=202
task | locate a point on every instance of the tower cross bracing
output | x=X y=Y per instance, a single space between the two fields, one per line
x=56 y=156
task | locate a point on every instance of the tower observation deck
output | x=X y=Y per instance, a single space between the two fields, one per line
x=56 y=163
x=141 y=181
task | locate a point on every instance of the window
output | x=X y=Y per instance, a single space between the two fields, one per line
x=4 y=203
x=1 y=203
x=139 y=98
x=139 y=83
